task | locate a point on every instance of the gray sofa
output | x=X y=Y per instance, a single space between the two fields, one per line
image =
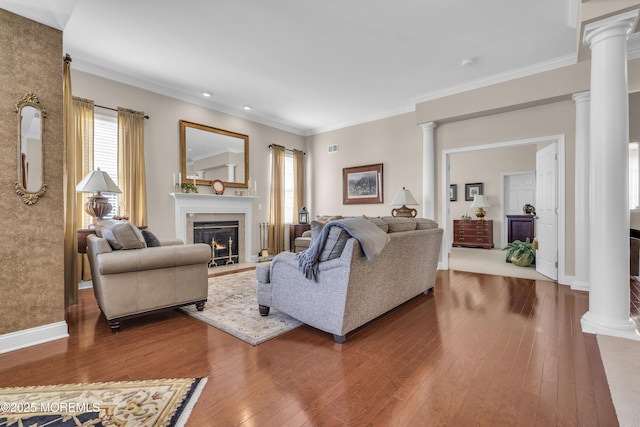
x=350 y=290
x=133 y=279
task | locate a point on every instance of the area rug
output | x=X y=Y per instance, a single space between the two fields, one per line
x=620 y=358
x=232 y=306
x=149 y=403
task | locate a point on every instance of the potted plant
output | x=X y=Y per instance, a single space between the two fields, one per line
x=520 y=253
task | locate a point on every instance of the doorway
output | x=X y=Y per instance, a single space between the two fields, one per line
x=559 y=142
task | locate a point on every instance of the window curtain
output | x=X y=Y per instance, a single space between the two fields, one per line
x=78 y=140
x=276 y=200
x=298 y=182
x=131 y=170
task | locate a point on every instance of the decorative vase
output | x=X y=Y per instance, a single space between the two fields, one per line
x=521 y=261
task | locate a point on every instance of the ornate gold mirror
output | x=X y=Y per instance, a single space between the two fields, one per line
x=210 y=154
x=30 y=184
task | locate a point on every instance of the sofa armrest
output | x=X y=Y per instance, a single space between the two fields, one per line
x=306 y=233
x=125 y=261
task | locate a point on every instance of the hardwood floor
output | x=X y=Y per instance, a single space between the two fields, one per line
x=480 y=350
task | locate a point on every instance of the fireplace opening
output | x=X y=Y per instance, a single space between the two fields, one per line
x=222 y=236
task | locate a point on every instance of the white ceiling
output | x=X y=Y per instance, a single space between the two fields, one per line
x=310 y=66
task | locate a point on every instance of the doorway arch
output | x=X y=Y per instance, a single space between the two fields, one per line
x=445 y=204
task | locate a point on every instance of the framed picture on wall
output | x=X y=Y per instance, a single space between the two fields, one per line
x=362 y=184
x=471 y=190
x=453 y=192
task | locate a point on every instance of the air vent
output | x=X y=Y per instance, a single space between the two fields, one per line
x=332 y=148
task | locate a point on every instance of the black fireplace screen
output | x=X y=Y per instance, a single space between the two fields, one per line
x=222 y=236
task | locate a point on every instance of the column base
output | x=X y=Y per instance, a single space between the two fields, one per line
x=621 y=329
x=579 y=285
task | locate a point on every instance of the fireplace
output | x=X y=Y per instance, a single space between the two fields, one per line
x=196 y=207
x=222 y=236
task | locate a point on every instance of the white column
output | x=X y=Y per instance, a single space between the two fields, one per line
x=231 y=172
x=608 y=179
x=581 y=281
x=428 y=170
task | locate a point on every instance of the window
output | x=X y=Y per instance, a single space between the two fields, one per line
x=105 y=152
x=634 y=176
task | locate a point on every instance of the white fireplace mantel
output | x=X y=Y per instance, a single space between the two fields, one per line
x=195 y=203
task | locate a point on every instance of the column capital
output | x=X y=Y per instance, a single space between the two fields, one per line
x=429 y=125
x=621 y=25
x=581 y=97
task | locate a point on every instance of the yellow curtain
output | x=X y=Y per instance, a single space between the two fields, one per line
x=276 y=201
x=83 y=140
x=131 y=170
x=298 y=182
x=70 y=195
x=78 y=126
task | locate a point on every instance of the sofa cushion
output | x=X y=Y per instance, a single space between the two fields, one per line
x=382 y=225
x=397 y=224
x=121 y=235
x=150 y=239
x=425 y=224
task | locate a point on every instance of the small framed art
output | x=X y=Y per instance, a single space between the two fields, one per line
x=453 y=192
x=471 y=190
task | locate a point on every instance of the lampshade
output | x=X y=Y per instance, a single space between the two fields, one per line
x=404 y=197
x=480 y=202
x=97 y=181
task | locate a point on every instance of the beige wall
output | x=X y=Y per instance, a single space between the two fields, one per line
x=487 y=168
x=162 y=144
x=396 y=142
x=31 y=243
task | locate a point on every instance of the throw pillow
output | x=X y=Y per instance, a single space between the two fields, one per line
x=334 y=244
x=150 y=239
x=382 y=225
x=121 y=235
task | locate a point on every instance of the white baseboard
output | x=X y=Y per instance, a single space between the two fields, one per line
x=33 y=336
x=86 y=284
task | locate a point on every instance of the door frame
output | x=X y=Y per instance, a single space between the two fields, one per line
x=445 y=204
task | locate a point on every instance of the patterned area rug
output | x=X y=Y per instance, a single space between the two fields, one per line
x=164 y=402
x=232 y=307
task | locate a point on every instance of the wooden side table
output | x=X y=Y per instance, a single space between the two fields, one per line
x=296 y=230
x=82 y=239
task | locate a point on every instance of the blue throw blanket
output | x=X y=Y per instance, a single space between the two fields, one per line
x=371 y=238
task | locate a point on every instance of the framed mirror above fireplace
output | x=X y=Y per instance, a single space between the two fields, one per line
x=209 y=154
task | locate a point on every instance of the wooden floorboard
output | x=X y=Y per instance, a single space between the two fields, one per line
x=480 y=350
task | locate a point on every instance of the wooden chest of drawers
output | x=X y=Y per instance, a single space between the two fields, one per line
x=473 y=233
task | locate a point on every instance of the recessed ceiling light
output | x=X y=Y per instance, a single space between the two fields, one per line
x=207 y=94
x=467 y=62
x=247 y=107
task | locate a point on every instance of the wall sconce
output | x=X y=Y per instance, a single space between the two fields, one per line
x=303 y=216
x=404 y=197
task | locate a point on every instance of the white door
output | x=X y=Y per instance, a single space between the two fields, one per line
x=519 y=189
x=547 y=211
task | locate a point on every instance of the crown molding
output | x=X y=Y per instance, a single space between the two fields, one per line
x=175 y=93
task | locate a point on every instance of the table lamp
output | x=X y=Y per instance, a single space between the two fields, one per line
x=97 y=182
x=404 y=197
x=480 y=203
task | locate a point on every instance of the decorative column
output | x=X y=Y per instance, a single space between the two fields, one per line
x=581 y=223
x=608 y=179
x=231 y=172
x=428 y=170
